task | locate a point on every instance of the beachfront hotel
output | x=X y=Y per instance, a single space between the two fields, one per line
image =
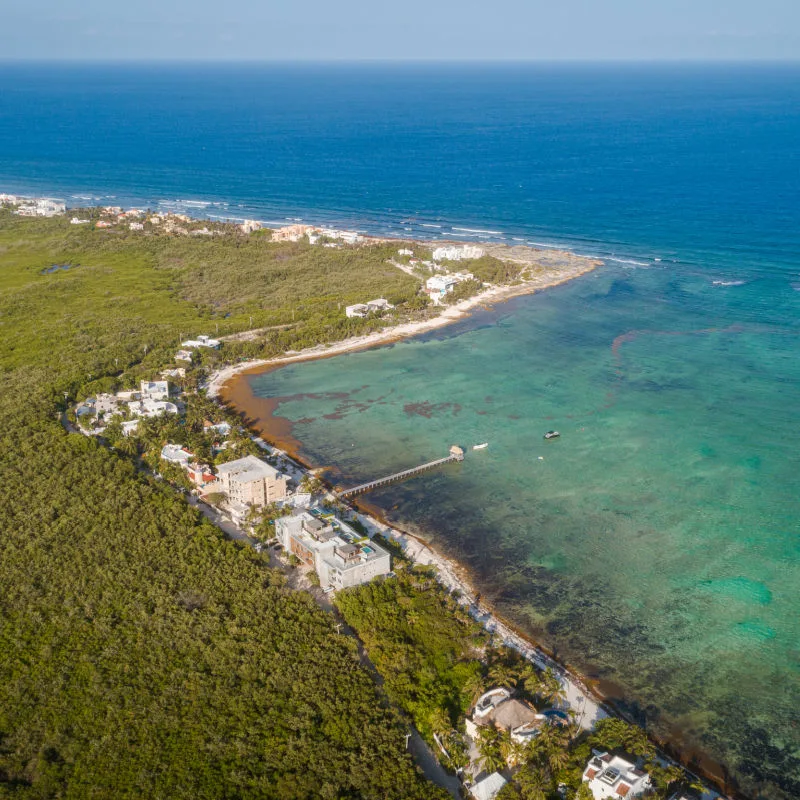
x=340 y=555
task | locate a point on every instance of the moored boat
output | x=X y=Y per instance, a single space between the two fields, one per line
x=552 y=435
x=480 y=446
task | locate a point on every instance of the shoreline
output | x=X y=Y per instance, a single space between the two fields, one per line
x=216 y=385
x=590 y=699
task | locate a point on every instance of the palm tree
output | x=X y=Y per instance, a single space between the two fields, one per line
x=491 y=758
x=513 y=752
x=551 y=688
x=531 y=680
x=533 y=784
x=501 y=674
x=557 y=759
x=439 y=721
x=474 y=686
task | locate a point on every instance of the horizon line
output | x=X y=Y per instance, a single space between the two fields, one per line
x=400 y=61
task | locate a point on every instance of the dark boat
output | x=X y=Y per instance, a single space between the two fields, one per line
x=552 y=435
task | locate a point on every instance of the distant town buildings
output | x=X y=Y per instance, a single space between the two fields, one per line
x=249 y=226
x=457 y=252
x=615 y=776
x=294 y=233
x=251 y=481
x=340 y=555
x=290 y=233
x=40 y=207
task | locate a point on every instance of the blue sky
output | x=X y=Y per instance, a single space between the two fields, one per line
x=400 y=29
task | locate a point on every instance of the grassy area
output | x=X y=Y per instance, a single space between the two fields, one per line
x=141 y=654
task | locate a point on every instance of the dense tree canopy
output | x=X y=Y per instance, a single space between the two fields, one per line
x=142 y=654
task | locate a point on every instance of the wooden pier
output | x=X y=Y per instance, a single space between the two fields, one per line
x=456 y=454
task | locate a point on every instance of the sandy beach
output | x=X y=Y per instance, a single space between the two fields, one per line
x=559 y=267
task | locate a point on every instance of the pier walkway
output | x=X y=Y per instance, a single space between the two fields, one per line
x=456 y=454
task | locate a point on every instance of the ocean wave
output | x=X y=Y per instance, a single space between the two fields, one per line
x=479 y=231
x=429 y=225
x=627 y=261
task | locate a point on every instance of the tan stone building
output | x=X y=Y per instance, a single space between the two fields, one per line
x=252 y=481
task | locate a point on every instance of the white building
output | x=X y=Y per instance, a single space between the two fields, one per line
x=340 y=555
x=373 y=306
x=136 y=226
x=202 y=341
x=76 y=221
x=176 y=454
x=183 y=355
x=348 y=237
x=249 y=226
x=404 y=251
x=154 y=390
x=129 y=428
x=358 y=310
x=42 y=207
x=457 y=252
x=615 y=776
x=489 y=787
x=497 y=708
x=151 y=408
x=251 y=481
x=440 y=285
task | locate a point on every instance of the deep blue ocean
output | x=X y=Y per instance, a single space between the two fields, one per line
x=656 y=545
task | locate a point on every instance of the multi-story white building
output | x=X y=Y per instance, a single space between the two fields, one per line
x=251 y=481
x=340 y=555
x=615 y=776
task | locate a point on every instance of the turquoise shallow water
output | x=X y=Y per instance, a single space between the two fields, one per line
x=656 y=544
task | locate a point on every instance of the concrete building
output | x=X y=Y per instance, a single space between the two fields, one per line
x=457 y=253
x=489 y=787
x=151 y=408
x=252 y=481
x=154 y=390
x=41 y=207
x=290 y=233
x=373 y=306
x=357 y=310
x=616 y=776
x=340 y=555
x=438 y=286
x=202 y=341
x=176 y=454
x=136 y=226
x=249 y=226
x=499 y=709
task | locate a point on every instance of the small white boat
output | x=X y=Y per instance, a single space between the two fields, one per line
x=480 y=446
